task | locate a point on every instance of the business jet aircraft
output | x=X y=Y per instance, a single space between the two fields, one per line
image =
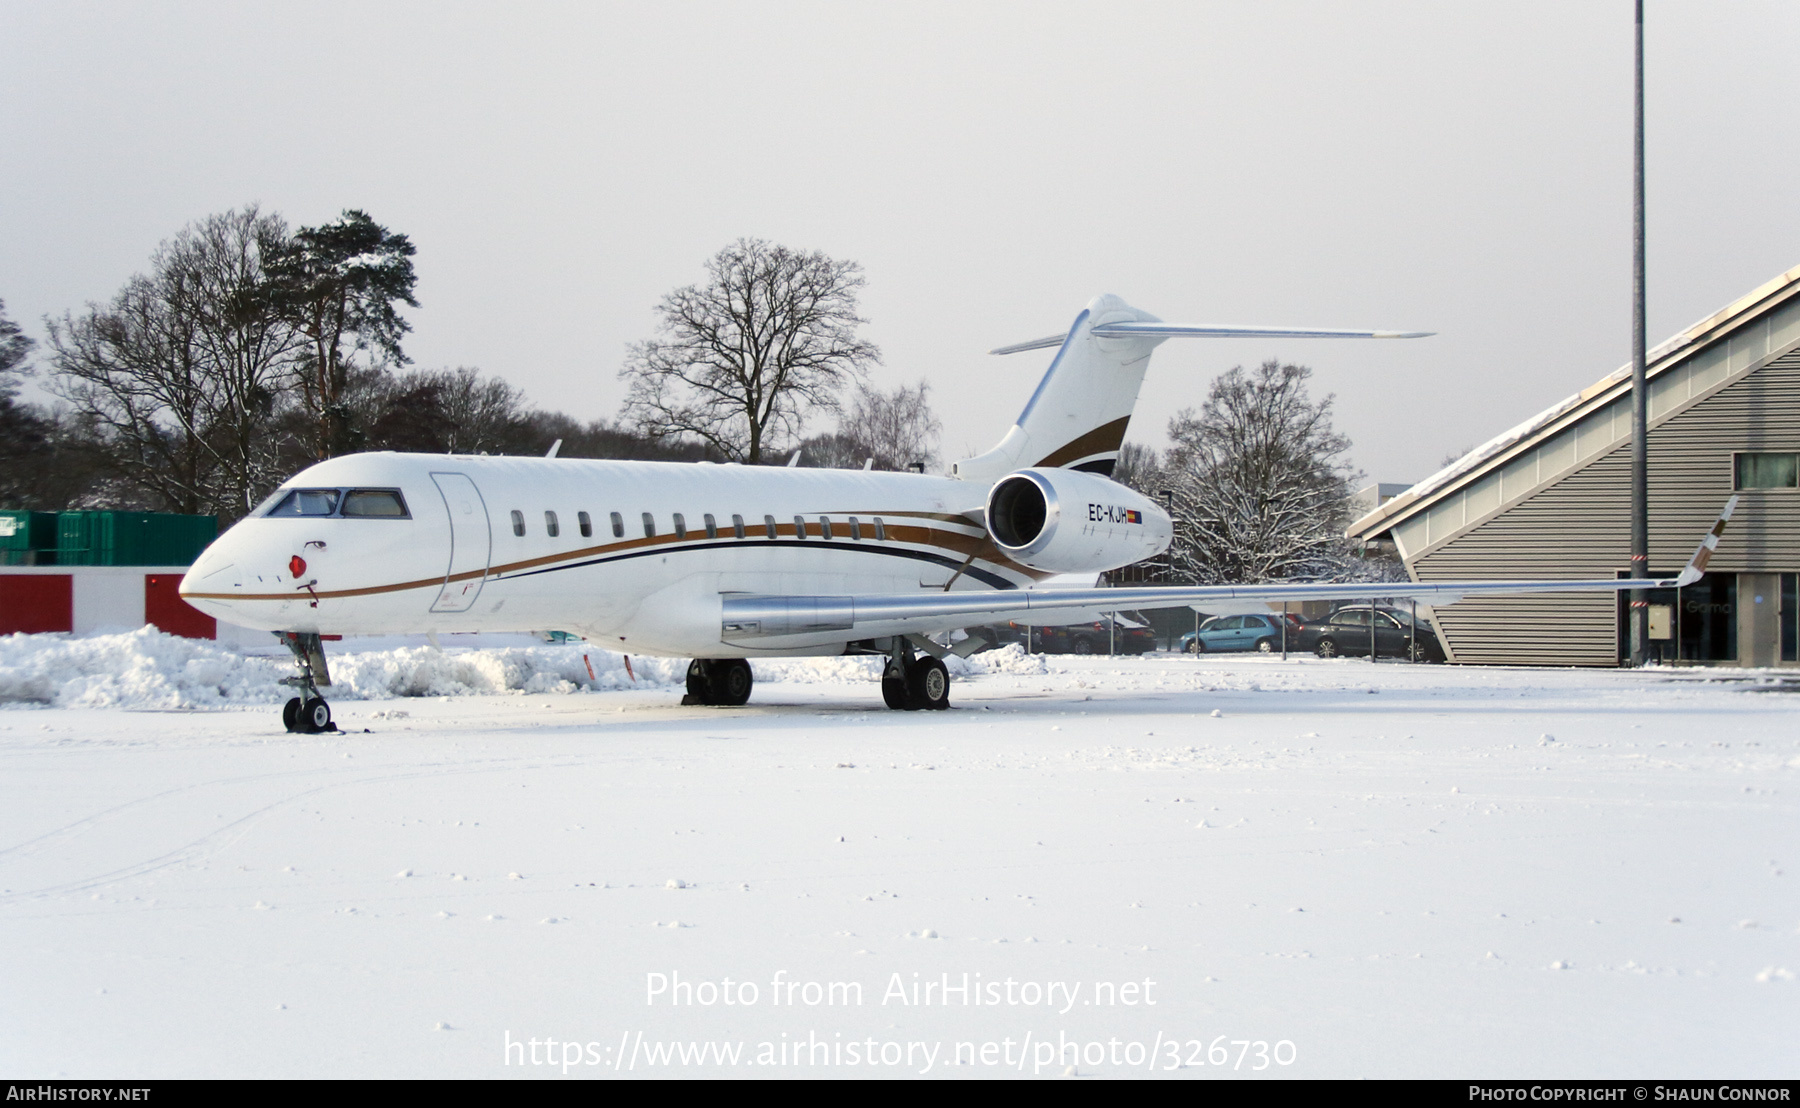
x=724 y=563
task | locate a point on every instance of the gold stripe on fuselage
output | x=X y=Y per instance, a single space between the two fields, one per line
x=962 y=546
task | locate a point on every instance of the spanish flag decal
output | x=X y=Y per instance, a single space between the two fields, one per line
x=1132 y=516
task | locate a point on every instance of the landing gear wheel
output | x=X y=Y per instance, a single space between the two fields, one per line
x=315 y=716
x=290 y=714
x=697 y=691
x=893 y=692
x=928 y=685
x=1326 y=649
x=730 y=681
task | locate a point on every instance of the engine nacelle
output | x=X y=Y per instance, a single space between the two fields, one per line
x=1068 y=521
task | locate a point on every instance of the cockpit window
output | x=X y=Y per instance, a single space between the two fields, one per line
x=375 y=503
x=307 y=502
x=349 y=503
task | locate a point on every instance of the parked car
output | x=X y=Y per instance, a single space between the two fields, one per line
x=1127 y=635
x=1222 y=633
x=1346 y=633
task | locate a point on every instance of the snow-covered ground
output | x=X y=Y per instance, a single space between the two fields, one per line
x=1371 y=870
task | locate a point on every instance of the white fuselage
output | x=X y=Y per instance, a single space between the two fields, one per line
x=475 y=551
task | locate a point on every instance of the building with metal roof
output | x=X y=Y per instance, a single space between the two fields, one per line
x=1551 y=499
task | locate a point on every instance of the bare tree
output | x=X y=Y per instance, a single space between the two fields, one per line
x=339 y=285
x=1261 y=487
x=744 y=358
x=896 y=429
x=180 y=375
x=450 y=411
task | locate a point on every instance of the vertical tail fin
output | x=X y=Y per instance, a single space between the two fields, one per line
x=1077 y=417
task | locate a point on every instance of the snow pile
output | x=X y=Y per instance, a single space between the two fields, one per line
x=427 y=671
x=142 y=669
x=148 y=669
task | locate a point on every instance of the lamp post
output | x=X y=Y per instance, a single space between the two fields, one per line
x=1638 y=625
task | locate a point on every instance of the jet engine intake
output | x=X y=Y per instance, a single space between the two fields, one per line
x=1069 y=521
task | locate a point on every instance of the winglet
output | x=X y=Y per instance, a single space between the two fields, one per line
x=1703 y=554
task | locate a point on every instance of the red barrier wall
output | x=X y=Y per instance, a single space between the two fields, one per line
x=37 y=602
x=164 y=607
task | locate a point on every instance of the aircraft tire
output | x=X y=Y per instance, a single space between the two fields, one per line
x=699 y=684
x=290 y=714
x=928 y=684
x=893 y=693
x=729 y=682
x=315 y=716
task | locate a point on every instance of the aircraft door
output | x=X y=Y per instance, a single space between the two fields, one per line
x=470 y=543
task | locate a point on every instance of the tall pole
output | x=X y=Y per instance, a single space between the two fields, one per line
x=1640 y=461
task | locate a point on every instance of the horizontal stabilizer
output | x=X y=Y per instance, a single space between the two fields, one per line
x=1159 y=330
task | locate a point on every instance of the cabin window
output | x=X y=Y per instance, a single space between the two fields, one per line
x=518 y=519
x=649 y=526
x=680 y=526
x=855 y=529
x=737 y=526
x=712 y=526
x=551 y=527
x=799 y=527
x=825 y=527
x=880 y=531
x=587 y=524
x=618 y=522
x=307 y=502
x=374 y=504
x=1767 y=471
x=769 y=527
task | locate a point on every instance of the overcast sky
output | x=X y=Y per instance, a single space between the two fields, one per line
x=1460 y=168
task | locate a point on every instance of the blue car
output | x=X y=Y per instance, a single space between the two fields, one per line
x=1223 y=633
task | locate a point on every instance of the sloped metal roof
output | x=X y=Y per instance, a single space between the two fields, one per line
x=1664 y=356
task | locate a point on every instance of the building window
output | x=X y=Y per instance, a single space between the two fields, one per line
x=680 y=526
x=712 y=526
x=825 y=527
x=855 y=529
x=769 y=527
x=799 y=527
x=1790 y=617
x=550 y=524
x=618 y=522
x=737 y=526
x=1766 y=471
x=587 y=524
x=649 y=526
x=518 y=519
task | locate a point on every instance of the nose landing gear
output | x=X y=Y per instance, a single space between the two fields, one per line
x=306 y=714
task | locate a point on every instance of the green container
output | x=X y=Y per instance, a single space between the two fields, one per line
x=27 y=538
x=132 y=538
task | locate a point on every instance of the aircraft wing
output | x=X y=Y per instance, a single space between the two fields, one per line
x=751 y=620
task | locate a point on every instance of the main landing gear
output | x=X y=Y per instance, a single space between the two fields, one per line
x=910 y=683
x=307 y=714
x=721 y=682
